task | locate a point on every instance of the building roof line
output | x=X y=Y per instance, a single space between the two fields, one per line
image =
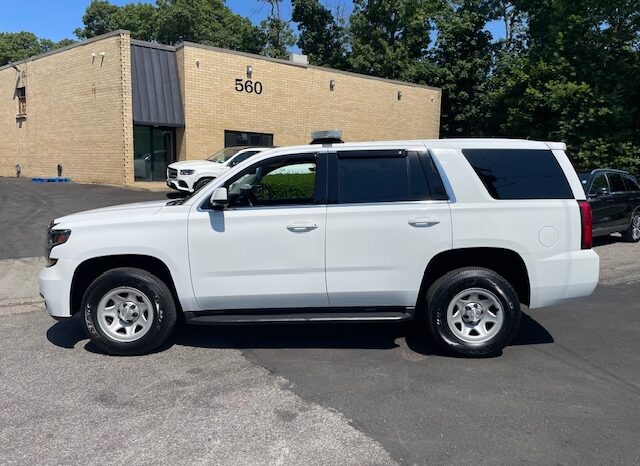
x=152 y=45
x=254 y=56
x=301 y=65
x=67 y=47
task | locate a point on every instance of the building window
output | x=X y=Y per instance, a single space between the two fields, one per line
x=153 y=150
x=21 y=94
x=244 y=138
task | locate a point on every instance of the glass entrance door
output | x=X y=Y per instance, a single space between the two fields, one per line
x=154 y=149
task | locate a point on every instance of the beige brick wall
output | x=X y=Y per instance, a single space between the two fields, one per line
x=79 y=108
x=295 y=101
x=78 y=114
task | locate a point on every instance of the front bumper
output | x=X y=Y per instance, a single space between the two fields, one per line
x=55 y=287
x=178 y=184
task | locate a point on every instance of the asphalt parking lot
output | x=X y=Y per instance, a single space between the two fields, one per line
x=566 y=392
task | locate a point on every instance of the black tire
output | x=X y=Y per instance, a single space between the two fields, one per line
x=201 y=183
x=161 y=325
x=444 y=290
x=632 y=234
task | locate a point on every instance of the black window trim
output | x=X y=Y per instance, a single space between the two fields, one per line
x=320 y=191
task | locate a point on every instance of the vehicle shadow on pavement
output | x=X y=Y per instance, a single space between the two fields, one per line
x=68 y=333
x=604 y=240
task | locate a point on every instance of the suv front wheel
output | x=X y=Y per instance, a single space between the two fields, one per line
x=128 y=311
x=472 y=311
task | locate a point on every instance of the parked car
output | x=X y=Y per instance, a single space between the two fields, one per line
x=455 y=234
x=191 y=175
x=614 y=196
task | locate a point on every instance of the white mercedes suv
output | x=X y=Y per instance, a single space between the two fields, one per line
x=455 y=234
x=191 y=175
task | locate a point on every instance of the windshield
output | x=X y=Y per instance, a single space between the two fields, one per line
x=225 y=154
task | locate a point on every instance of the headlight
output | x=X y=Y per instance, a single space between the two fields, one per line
x=55 y=238
x=187 y=172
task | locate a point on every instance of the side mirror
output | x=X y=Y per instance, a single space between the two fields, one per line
x=219 y=198
x=602 y=192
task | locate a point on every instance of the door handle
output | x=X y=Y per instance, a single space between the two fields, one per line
x=424 y=222
x=301 y=227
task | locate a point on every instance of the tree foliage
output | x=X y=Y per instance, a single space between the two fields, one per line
x=388 y=37
x=277 y=32
x=564 y=70
x=15 y=46
x=323 y=37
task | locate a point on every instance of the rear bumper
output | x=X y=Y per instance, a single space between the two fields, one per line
x=564 y=277
x=55 y=287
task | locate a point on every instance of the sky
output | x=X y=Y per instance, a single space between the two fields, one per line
x=57 y=20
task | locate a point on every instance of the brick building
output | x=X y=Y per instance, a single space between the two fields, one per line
x=115 y=110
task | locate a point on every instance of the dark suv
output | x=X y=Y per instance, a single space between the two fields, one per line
x=614 y=196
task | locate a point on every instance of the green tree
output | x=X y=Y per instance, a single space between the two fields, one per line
x=97 y=19
x=576 y=80
x=15 y=46
x=277 y=32
x=460 y=63
x=323 y=38
x=101 y=17
x=388 y=37
x=208 y=22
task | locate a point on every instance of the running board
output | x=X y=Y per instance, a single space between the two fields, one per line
x=282 y=316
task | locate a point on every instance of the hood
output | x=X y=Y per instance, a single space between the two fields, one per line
x=123 y=211
x=197 y=165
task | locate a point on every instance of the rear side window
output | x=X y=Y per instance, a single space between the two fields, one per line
x=519 y=173
x=617 y=182
x=386 y=176
x=632 y=183
x=599 y=182
x=376 y=179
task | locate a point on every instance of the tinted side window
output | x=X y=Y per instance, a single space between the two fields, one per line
x=519 y=173
x=600 y=181
x=375 y=179
x=632 y=184
x=617 y=183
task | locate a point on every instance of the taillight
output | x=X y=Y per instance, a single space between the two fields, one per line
x=587 y=224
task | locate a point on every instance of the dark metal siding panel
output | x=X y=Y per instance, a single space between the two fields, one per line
x=155 y=87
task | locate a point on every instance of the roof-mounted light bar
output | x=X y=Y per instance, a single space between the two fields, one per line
x=333 y=136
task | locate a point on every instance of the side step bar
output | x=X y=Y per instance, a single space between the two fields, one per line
x=286 y=316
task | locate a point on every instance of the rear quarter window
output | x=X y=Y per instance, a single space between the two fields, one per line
x=519 y=173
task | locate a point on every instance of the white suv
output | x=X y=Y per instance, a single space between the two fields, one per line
x=191 y=175
x=455 y=234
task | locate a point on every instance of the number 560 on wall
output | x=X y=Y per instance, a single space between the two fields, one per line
x=248 y=86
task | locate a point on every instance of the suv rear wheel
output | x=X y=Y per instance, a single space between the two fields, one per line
x=632 y=234
x=472 y=312
x=128 y=311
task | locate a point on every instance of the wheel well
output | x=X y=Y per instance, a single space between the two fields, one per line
x=91 y=269
x=504 y=262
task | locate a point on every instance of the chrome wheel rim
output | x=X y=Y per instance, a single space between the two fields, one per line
x=475 y=315
x=125 y=314
x=635 y=227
